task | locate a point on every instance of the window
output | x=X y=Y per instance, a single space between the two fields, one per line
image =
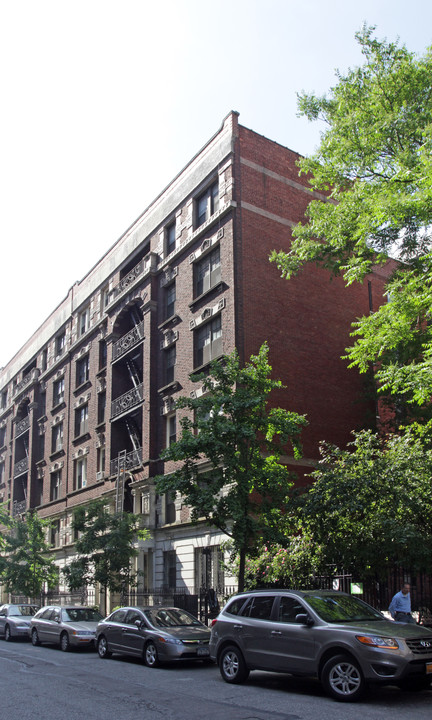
x=207 y=272
x=55 y=535
x=101 y=407
x=81 y=420
x=82 y=370
x=170 y=238
x=102 y=354
x=4 y=399
x=58 y=392
x=55 y=485
x=170 y=510
x=80 y=473
x=170 y=298
x=60 y=344
x=100 y=460
x=83 y=322
x=170 y=361
x=171 y=429
x=44 y=359
x=2 y=473
x=207 y=204
x=288 y=609
x=57 y=438
x=208 y=342
x=170 y=569
x=2 y=436
x=259 y=607
x=235 y=606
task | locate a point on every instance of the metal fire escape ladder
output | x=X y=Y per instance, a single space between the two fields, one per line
x=135 y=317
x=133 y=433
x=133 y=372
x=120 y=482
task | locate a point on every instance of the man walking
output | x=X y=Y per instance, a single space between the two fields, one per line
x=400 y=606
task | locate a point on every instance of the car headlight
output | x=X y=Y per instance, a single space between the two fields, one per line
x=170 y=640
x=82 y=632
x=378 y=641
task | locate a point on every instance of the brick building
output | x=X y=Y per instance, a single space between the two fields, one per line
x=92 y=393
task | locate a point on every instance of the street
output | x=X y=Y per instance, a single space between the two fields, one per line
x=43 y=682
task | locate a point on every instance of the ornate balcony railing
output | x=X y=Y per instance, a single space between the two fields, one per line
x=21 y=467
x=32 y=376
x=19 y=507
x=131 y=460
x=22 y=426
x=125 y=402
x=144 y=266
x=128 y=341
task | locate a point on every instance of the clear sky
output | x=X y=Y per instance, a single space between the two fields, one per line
x=104 y=101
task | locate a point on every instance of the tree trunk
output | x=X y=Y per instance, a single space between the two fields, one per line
x=242 y=567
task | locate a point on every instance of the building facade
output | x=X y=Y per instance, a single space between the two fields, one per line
x=88 y=403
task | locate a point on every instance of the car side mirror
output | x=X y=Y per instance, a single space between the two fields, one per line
x=304 y=619
x=140 y=624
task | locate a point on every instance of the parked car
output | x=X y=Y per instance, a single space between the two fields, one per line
x=155 y=634
x=64 y=625
x=15 y=620
x=331 y=635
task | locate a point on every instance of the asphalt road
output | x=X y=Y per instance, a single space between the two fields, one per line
x=43 y=682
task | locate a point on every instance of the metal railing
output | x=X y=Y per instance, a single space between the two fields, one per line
x=131 y=460
x=128 y=400
x=128 y=341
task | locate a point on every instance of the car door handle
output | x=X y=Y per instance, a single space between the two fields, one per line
x=276 y=632
x=238 y=627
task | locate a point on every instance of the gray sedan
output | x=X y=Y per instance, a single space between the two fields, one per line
x=15 y=620
x=65 y=626
x=155 y=634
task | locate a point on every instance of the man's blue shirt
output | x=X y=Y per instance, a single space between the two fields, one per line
x=400 y=603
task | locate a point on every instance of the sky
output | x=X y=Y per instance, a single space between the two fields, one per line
x=103 y=102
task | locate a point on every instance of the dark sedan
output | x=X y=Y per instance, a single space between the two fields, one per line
x=15 y=620
x=155 y=634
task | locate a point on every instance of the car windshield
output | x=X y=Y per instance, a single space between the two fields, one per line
x=170 y=617
x=341 y=608
x=81 y=615
x=26 y=610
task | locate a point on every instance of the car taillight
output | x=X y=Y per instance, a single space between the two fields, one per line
x=213 y=622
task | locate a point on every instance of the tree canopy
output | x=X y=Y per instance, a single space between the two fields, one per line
x=105 y=548
x=230 y=451
x=26 y=564
x=370 y=506
x=374 y=164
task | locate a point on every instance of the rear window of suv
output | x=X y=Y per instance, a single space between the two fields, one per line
x=234 y=607
x=259 y=607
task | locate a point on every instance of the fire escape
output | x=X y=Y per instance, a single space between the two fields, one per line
x=126 y=408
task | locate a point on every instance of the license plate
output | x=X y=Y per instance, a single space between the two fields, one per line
x=428 y=668
x=206 y=652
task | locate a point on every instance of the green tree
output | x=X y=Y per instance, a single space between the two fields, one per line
x=105 y=548
x=374 y=163
x=230 y=450
x=26 y=563
x=370 y=506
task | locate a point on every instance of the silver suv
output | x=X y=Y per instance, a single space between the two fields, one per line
x=330 y=635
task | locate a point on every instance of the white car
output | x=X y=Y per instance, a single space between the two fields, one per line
x=65 y=626
x=15 y=620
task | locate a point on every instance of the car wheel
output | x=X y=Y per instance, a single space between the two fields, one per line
x=150 y=655
x=102 y=648
x=35 y=637
x=8 y=636
x=65 y=642
x=342 y=679
x=232 y=665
